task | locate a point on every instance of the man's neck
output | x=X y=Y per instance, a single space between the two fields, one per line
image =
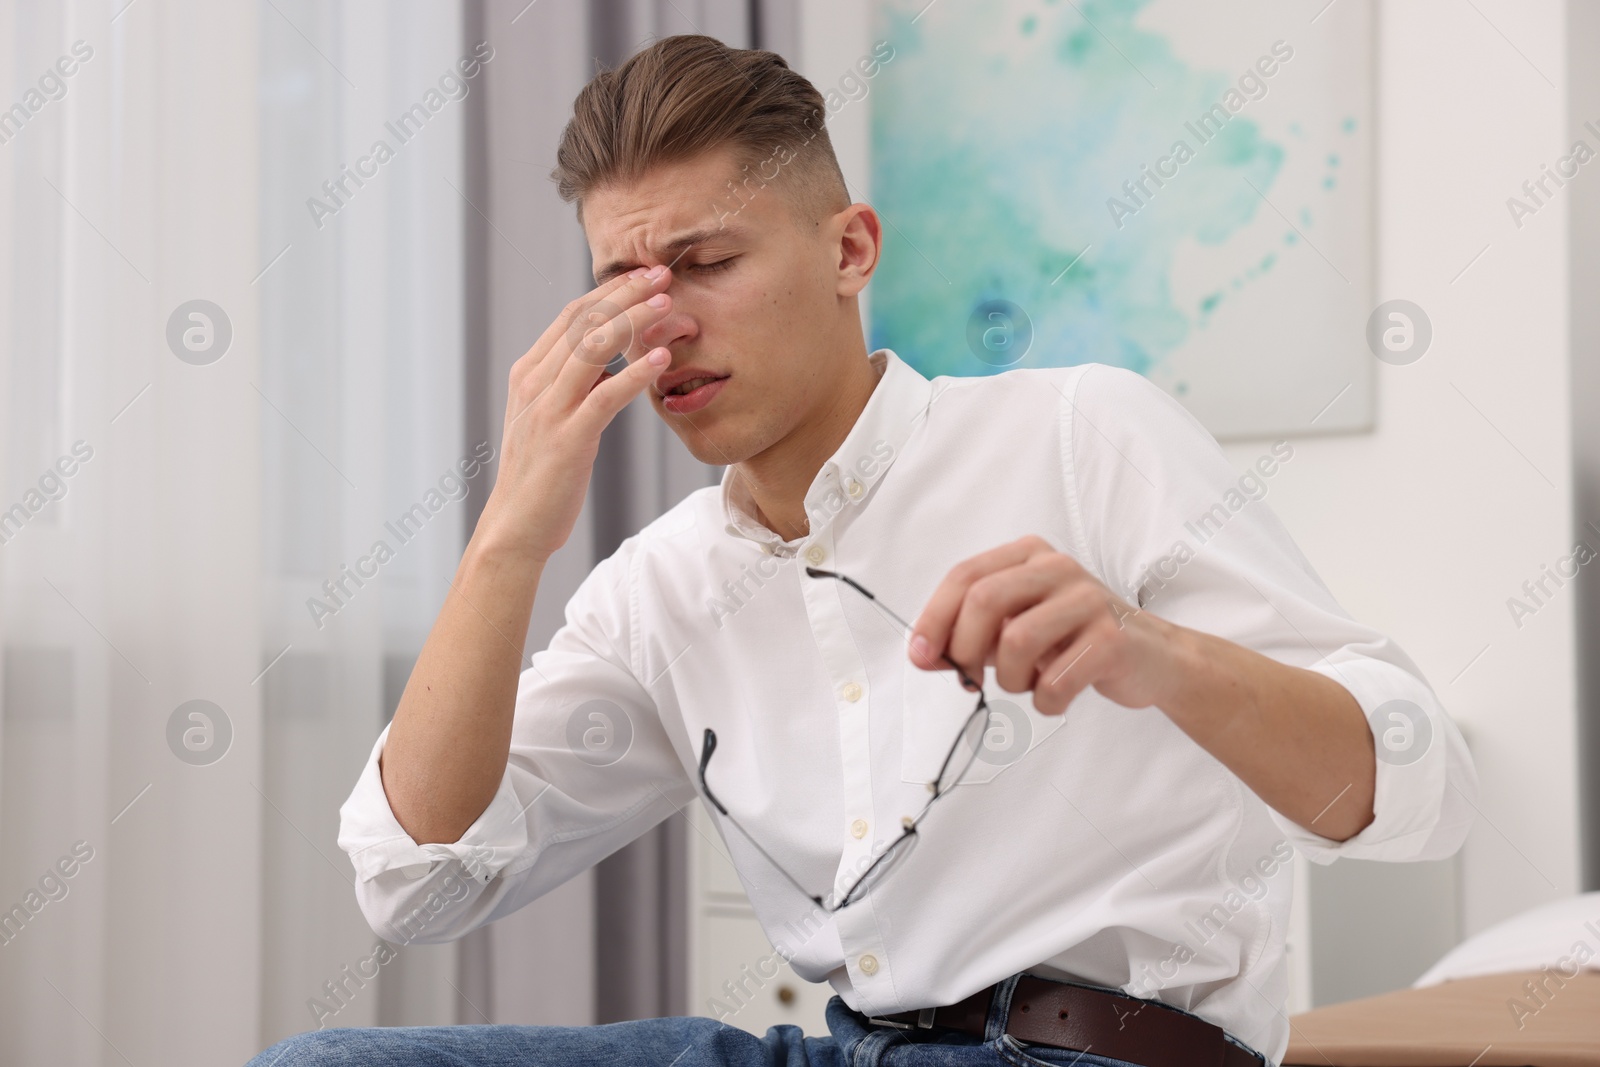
x=779 y=477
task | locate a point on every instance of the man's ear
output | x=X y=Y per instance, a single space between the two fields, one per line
x=860 y=245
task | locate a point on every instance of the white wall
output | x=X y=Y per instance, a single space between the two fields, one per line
x=1426 y=526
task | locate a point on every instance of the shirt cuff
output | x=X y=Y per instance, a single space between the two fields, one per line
x=376 y=842
x=1424 y=783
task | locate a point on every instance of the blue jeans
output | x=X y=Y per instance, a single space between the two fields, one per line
x=684 y=1041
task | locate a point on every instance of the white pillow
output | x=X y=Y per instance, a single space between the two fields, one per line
x=1564 y=934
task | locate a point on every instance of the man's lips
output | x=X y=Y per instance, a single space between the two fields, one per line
x=696 y=398
x=685 y=379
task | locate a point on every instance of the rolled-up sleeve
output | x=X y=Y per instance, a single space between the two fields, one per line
x=1426 y=791
x=1167 y=521
x=590 y=769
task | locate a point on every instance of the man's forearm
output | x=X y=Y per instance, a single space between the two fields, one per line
x=447 y=747
x=1295 y=737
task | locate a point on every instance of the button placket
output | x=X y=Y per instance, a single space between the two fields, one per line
x=866 y=959
x=842 y=661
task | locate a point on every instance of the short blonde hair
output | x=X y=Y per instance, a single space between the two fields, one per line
x=689 y=94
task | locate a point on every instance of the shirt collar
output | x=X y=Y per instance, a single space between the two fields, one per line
x=897 y=403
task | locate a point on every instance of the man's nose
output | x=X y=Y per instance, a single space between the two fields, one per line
x=675 y=327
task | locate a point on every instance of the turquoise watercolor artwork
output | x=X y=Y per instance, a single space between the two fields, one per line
x=1126 y=182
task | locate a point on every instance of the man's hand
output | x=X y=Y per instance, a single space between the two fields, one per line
x=1297 y=738
x=559 y=399
x=1047 y=626
x=451 y=734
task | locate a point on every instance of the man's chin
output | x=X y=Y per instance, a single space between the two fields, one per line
x=705 y=443
x=714 y=452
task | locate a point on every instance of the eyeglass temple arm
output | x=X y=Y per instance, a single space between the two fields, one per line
x=706 y=748
x=818 y=572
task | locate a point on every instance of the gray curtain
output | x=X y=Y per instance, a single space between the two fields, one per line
x=1583 y=88
x=610 y=945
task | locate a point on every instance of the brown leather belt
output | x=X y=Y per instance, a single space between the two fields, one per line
x=1081 y=1019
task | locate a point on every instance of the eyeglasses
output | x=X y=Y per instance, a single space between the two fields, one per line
x=951 y=771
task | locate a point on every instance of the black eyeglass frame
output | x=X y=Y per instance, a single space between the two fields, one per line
x=909 y=826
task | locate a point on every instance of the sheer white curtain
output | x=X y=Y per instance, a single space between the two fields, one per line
x=362 y=337
x=170 y=556
x=135 y=591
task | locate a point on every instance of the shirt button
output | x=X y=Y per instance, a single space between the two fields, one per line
x=858 y=828
x=816 y=554
x=855 y=489
x=851 y=692
x=868 y=964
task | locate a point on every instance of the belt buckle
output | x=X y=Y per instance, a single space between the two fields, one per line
x=924 y=1021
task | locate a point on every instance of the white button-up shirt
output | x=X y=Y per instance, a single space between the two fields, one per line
x=1101 y=845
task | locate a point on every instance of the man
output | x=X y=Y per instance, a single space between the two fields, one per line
x=980 y=881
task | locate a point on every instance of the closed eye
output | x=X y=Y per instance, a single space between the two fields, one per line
x=712 y=268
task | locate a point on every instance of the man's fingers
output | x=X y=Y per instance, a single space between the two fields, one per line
x=551 y=352
x=559 y=325
x=989 y=603
x=1067 y=675
x=594 y=347
x=938 y=617
x=615 y=391
x=1037 y=635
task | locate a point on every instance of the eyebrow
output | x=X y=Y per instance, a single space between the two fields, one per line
x=672 y=249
